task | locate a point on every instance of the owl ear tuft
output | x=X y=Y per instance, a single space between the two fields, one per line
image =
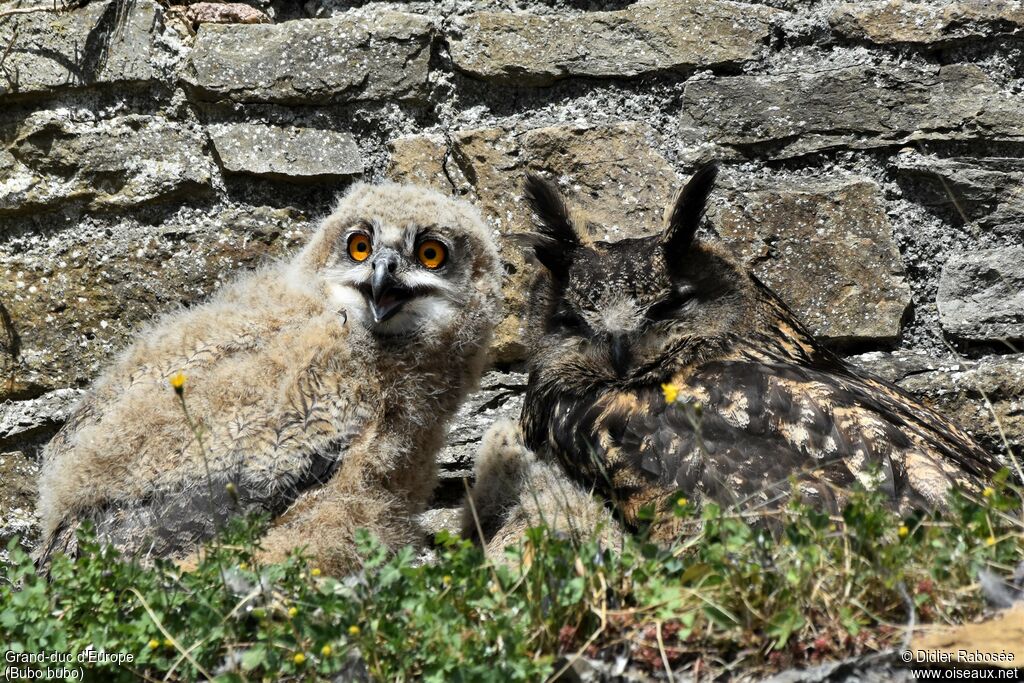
x=687 y=212
x=554 y=238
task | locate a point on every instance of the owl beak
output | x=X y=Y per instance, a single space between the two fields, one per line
x=387 y=295
x=619 y=352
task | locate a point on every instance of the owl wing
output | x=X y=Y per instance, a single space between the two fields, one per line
x=274 y=407
x=255 y=463
x=740 y=429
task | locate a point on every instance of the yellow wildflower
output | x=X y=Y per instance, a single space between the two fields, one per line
x=353 y=630
x=681 y=502
x=671 y=392
x=326 y=651
x=903 y=531
x=154 y=644
x=988 y=492
x=167 y=643
x=446 y=579
x=293 y=612
x=299 y=658
x=991 y=540
x=315 y=571
x=178 y=382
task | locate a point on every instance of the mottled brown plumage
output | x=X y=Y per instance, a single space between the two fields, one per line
x=759 y=399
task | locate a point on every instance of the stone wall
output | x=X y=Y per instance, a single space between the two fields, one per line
x=873 y=163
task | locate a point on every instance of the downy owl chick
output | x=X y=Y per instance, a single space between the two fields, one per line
x=514 y=490
x=758 y=399
x=320 y=388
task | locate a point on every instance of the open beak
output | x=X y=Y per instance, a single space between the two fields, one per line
x=387 y=295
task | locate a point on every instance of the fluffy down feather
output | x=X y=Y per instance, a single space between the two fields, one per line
x=313 y=412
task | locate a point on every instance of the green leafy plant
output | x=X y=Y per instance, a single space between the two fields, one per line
x=791 y=586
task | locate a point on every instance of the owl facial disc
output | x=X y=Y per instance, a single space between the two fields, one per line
x=401 y=282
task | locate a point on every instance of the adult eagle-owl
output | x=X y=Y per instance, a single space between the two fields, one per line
x=619 y=327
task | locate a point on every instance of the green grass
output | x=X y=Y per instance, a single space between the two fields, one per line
x=729 y=593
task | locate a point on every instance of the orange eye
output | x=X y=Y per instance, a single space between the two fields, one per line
x=359 y=247
x=432 y=254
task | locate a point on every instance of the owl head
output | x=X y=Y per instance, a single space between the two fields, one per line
x=404 y=261
x=615 y=311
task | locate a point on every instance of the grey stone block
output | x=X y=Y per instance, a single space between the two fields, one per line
x=648 y=37
x=856 y=107
x=827 y=249
x=981 y=295
x=314 y=61
x=101 y=43
x=286 y=152
x=930 y=24
x=117 y=163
